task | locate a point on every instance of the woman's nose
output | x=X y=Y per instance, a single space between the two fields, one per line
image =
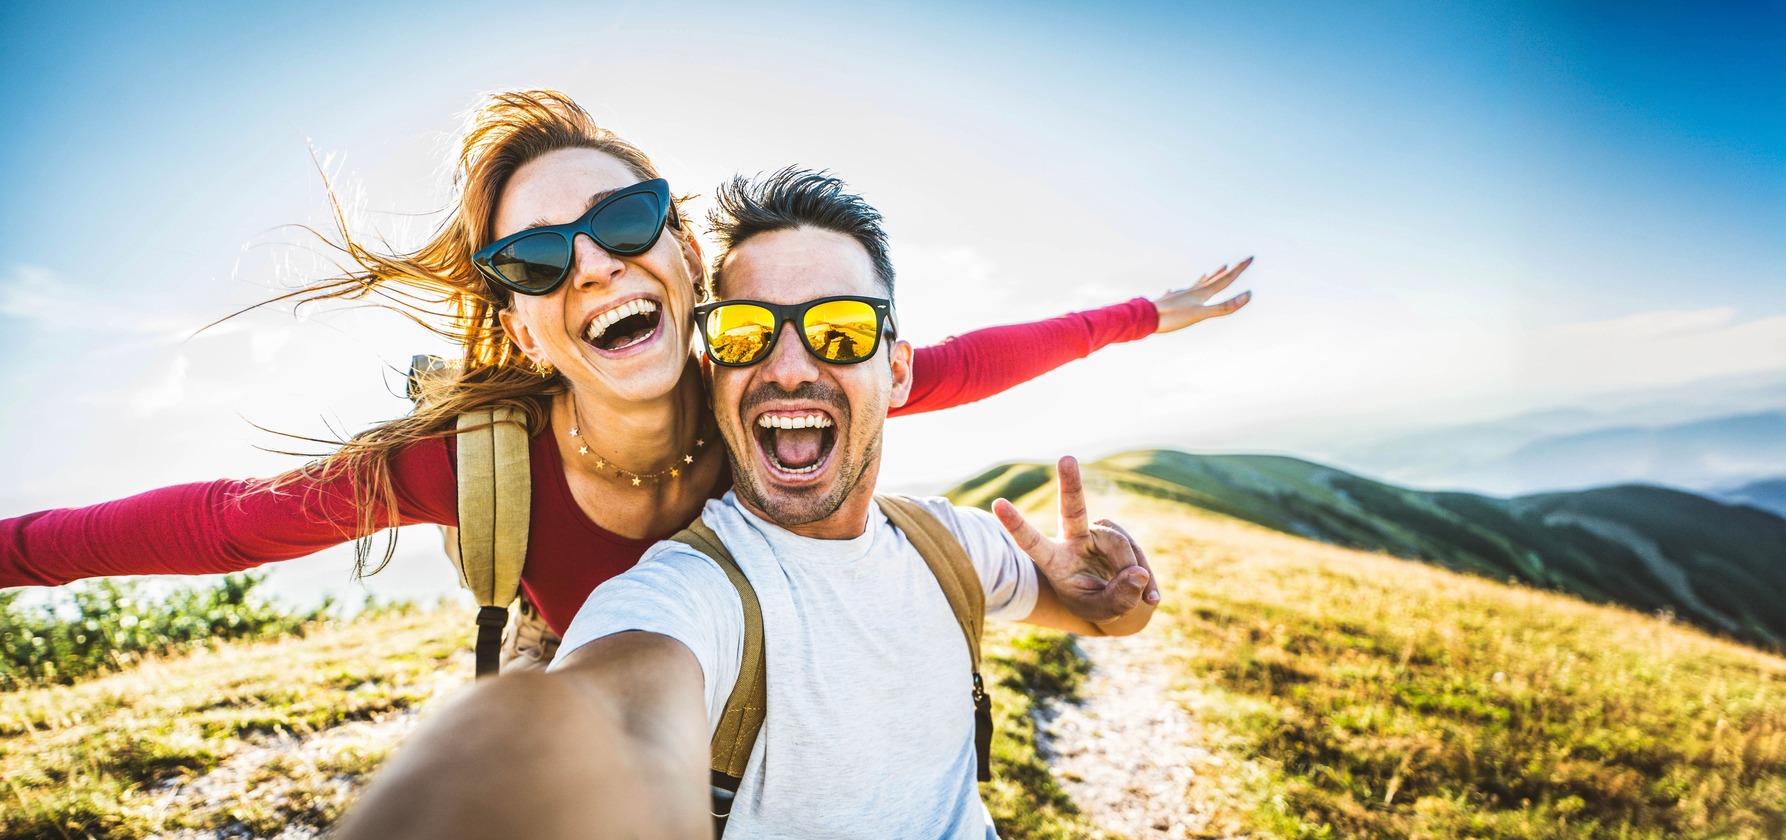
x=594 y=265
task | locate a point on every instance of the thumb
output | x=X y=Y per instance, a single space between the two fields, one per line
x=1134 y=582
x=1124 y=593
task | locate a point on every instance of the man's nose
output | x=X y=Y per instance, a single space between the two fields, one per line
x=593 y=265
x=789 y=364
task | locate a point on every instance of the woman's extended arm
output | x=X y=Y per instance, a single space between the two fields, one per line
x=217 y=526
x=984 y=362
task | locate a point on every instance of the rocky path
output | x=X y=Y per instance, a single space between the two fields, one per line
x=1130 y=754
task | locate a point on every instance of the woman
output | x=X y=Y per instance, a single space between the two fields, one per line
x=594 y=350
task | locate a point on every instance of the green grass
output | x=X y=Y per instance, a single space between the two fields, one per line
x=1025 y=667
x=118 y=756
x=1392 y=699
x=1349 y=694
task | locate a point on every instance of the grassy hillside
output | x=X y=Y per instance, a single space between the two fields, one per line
x=251 y=739
x=241 y=739
x=1719 y=566
x=1352 y=694
x=1386 y=698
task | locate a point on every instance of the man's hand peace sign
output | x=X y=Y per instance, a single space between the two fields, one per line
x=1097 y=570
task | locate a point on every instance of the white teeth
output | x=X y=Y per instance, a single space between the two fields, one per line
x=810 y=421
x=601 y=323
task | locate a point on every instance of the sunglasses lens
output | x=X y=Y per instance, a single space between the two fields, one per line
x=629 y=225
x=841 y=330
x=739 y=333
x=533 y=263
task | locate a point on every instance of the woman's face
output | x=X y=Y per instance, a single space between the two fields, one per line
x=618 y=326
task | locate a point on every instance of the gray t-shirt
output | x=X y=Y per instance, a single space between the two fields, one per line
x=870 y=725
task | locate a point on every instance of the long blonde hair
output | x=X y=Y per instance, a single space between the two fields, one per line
x=437 y=286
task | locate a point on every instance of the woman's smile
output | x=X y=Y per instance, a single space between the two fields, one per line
x=623 y=325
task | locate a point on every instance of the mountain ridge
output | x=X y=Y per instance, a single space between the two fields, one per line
x=1656 y=549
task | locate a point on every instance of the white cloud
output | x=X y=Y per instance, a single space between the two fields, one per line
x=1649 y=325
x=1651 y=349
x=41 y=297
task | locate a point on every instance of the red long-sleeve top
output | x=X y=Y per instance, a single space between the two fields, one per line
x=230 y=525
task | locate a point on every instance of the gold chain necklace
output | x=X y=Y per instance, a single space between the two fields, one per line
x=619 y=472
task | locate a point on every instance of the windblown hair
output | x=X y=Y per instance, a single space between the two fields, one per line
x=791 y=198
x=437 y=286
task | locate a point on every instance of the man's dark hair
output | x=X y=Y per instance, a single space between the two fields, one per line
x=790 y=198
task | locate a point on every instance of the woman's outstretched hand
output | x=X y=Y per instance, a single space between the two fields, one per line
x=1181 y=308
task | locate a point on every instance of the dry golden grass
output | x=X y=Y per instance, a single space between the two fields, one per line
x=117 y=756
x=1380 y=697
x=1395 y=699
x=253 y=738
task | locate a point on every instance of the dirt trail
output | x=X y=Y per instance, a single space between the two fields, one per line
x=1130 y=754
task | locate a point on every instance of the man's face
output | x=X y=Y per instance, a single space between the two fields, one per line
x=816 y=480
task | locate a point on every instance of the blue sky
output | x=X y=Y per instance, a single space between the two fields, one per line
x=1460 y=211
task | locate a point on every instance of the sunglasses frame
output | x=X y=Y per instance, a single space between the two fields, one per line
x=584 y=225
x=796 y=313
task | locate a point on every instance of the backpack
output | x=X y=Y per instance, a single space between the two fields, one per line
x=742 y=718
x=489 y=548
x=495 y=501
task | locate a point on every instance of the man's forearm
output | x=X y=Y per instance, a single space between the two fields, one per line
x=1051 y=611
x=1128 y=623
x=613 y=744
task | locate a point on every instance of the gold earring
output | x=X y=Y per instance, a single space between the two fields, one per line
x=544 y=369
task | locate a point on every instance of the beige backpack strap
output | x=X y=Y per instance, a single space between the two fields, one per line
x=960 y=582
x=745 y=707
x=495 y=502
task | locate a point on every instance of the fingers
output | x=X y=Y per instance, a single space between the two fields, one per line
x=1181 y=308
x=1152 y=595
x=1123 y=593
x=1073 y=520
x=1206 y=280
x=1215 y=282
x=1028 y=538
x=1232 y=305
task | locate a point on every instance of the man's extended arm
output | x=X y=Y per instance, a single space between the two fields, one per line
x=611 y=743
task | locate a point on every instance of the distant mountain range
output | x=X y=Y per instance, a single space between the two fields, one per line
x=1769 y=495
x=1530 y=454
x=1719 y=566
x=1706 y=436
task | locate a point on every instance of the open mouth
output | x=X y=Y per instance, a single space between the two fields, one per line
x=627 y=325
x=796 y=442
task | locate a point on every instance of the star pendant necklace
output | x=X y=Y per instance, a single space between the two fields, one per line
x=636 y=479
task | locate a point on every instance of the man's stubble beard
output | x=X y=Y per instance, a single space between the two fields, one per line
x=802 y=508
x=794 y=509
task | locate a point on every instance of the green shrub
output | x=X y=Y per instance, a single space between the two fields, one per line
x=106 y=625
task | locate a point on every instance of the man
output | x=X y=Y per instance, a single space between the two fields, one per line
x=870 y=725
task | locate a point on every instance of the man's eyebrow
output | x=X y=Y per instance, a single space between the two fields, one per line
x=593 y=200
